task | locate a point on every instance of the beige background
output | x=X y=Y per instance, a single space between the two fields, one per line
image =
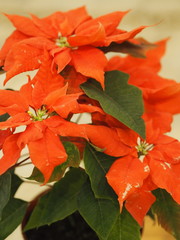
x=143 y=12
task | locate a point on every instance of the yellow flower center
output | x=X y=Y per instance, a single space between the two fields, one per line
x=143 y=147
x=62 y=42
x=38 y=115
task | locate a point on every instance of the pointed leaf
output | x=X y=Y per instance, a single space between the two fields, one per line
x=5 y=190
x=12 y=216
x=125 y=228
x=120 y=100
x=96 y=166
x=4 y=117
x=167 y=211
x=15 y=183
x=60 y=202
x=72 y=161
x=100 y=214
x=135 y=50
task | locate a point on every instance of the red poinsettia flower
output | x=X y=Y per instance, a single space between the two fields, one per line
x=160 y=95
x=139 y=202
x=43 y=106
x=3 y=135
x=71 y=38
x=157 y=157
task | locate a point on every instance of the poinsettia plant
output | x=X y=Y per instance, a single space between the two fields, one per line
x=116 y=167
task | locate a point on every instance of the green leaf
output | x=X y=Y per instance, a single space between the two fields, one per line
x=168 y=212
x=4 y=117
x=5 y=190
x=100 y=214
x=119 y=99
x=60 y=202
x=15 y=183
x=72 y=161
x=12 y=216
x=96 y=165
x=125 y=228
x=135 y=50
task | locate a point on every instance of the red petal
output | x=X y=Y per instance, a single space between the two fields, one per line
x=64 y=128
x=19 y=119
x=74 y=79
x=125 y=176
x=59 y=21
x=40 y=43
x=90 y=62
x=66 y=104
x=172 y=152
x=138 y=204
x=11 y=152
x=47 y=75
x=45 y=26
x=107 y=139
x=33 y=132
x=22 y=58
x=167 y=98
x=3 y=135
x=76 y=17
x=109 y=21
x=165 y=176
x=93 y=35
x=15 y=37
x=152 y=60
x=127 y=136
x=26 y=92
x=47 y=153
x=123 y=36
x=161 y=120
x=46 y=82
x=12 y=102
x=61 y=57
x=153 y=56
x=25 y=25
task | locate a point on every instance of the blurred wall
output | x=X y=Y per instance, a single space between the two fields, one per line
x=164 y=14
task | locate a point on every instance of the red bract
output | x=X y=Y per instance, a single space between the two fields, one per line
x=3 y=135
x=71 y=38
x=161 y=96
x=157 y=157
x=35 y=106
x=139 y=202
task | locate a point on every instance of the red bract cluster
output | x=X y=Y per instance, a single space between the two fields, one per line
x=69 y=48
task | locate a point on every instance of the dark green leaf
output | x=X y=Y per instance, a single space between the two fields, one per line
x=135 y=50
x=60 y=202
x=151 y=214
x=125 y=228
x=36 y=175
x=72 y=161
x=4 y=117
x=96 y=166
x=168 y=212
x=120 y=99
x=5 y=190
x=12 y=216
x=15 y=183
x=100 y=214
